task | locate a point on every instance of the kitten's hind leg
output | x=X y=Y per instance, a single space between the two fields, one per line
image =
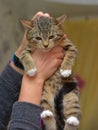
x=48 y=114
x=72 y=123
x=71 y=109
x=70 y=127
x=48 y=119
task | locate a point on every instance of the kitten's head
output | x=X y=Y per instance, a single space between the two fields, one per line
x=44 y=32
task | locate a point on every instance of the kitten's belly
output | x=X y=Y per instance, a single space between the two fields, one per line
x=54 y=82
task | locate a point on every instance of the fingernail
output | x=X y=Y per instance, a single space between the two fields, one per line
x=64 y=36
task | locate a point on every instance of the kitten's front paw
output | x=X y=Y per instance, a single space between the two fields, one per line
x=31 y=72
x=46 y=114
x=72 y=121
x=65 y=73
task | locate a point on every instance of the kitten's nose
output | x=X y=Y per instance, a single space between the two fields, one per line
x=45 y=46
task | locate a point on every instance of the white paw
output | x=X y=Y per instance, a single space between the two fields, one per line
x=72 y=121
x=31 y=72
x=46 y=113
x=65 y=73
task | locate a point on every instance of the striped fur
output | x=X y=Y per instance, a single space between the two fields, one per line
x=60 y=97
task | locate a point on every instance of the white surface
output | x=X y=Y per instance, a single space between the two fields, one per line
x=84 y=2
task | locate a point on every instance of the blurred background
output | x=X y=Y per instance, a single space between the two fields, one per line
x=81 y=26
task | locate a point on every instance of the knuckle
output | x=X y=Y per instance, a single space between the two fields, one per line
x=57 y=49
x=61 y=55
x=46 y=14
x=60 y=61
x=60 y=49
x=55 y=61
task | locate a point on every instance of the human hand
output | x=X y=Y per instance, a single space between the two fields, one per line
x=48 y=62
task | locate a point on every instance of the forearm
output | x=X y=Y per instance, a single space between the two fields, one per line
x=9 y=91
x=31 y=89
x=18 y=70
x=26 y=112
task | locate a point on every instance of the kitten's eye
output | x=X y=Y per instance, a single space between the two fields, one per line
x=51 y=37
x=38 y=38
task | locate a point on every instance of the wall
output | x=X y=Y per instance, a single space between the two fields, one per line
x=11 y=30
x=84 y=2
x=85 y=34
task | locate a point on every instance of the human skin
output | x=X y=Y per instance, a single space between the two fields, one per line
x=31 y=89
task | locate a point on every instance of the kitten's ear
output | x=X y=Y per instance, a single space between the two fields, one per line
x=26 y=23
x=60 y=20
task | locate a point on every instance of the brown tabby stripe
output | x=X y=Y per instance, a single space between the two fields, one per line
x=67 y=87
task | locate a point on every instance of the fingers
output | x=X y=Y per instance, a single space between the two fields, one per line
x=60 y=55
x=57 y=52
x=24 y=37
x=64 y=37
x=46 y=15
x=57 y=55
x=40 y=14
x=57 y=49
x=37 y=15
x=57 y=62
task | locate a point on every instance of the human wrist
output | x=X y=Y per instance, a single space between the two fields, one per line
x=16 y=68
x=39 y=79
x=19 y=50
x=16 y=64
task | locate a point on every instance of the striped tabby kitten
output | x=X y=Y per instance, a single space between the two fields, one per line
x=60 y=98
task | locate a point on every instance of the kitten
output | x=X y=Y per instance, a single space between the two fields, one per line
x=60 y=98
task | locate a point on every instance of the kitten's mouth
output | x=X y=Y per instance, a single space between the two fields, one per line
x=45 y=48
